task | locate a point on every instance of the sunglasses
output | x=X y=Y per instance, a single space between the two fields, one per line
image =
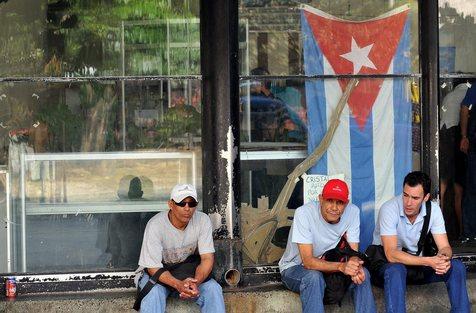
x=191 y=204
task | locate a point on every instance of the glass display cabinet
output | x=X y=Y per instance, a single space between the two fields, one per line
x=96 y=202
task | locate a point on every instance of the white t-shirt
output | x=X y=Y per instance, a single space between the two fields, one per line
x=309 y=227
x=450 y=106
x=163 y=243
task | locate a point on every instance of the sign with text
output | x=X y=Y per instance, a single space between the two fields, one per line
x=313 y=185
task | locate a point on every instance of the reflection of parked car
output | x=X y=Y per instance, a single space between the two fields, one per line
x=272 y=120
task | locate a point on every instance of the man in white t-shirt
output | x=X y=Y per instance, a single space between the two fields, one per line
x=400 y=223
x=170 y=237
x=318 y=227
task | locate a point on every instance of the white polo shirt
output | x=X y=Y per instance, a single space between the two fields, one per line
x=393 y=221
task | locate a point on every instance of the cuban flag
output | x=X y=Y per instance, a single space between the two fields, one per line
x=372 y=144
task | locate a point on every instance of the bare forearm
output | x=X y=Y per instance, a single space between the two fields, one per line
x=398 y=256
x=203 y=270
x=322 y=265
x=447 y=251
x=165 y=278
x=464 y=114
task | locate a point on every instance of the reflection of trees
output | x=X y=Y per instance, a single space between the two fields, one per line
x=56 y=37
x=98 y=121
x=459 y=31
x=77 y=33
x=21 y=37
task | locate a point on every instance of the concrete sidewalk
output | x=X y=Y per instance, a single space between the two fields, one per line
x=268 y=298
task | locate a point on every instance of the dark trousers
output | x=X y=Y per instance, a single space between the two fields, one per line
x=395 y=277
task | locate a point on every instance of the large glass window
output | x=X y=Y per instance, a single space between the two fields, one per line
x=100 y=116
x=284 y=118
x=457 y=38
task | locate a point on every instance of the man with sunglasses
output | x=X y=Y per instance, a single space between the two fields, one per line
x=170 y=238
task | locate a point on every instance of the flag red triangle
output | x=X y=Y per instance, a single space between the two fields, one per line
x=334 y=38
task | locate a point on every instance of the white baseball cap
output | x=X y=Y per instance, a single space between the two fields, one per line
x=182 y=191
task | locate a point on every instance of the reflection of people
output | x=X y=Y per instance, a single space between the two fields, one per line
x=452 y=160
x=170 y=237
x=318 y=227
x=271 y=118
x=400 y=223
x=126 y=229
x=468 y=146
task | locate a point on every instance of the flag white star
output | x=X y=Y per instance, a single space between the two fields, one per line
x=359 y=56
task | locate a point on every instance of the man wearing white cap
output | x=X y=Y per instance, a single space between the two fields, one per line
x=171 y=238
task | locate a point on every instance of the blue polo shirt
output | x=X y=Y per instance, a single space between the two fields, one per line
x=470 y=102
x=393 y=221
x=470 y=97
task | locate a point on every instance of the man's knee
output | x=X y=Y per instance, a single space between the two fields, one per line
x=211 y=288
x=157 y=296
x=394 y=270
x=457 y=267
x=313 y=278
x=367 y=276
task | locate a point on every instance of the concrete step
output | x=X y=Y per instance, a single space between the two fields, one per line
x=267 y=298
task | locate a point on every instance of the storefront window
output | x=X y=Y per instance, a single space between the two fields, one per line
x=75 y=38
x=457 y=38
x=284 y=119
x=92 y=137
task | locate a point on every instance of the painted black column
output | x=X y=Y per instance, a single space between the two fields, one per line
x=220 y=111
x=220 y=131
x=428 y=11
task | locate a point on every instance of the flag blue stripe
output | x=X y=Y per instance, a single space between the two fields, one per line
x=361 y=154
x=363 y=187
x=402 y=109
x=315 y=95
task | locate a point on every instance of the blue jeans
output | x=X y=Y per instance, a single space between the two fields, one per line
x=310 y=285
x=210 y=299
x=394 y=276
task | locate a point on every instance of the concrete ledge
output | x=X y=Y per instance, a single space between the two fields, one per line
x=428 y=298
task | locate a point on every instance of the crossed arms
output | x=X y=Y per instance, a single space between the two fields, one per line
x=440 y=263
x=188 y=288
x=353 y=267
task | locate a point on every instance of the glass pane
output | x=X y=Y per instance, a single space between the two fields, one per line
x=88 y=164
x=273 y=114
x=76 y=38
x=457 y=37
x=452 y=161
x=373 y=149
x=275 y=32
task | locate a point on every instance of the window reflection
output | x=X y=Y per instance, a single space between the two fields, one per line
x=274 y=30
x=457 y=37
x=74 y=38
x=89 y=164
x=272 y=111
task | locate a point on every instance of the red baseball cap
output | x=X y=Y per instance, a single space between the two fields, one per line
x=336 y=189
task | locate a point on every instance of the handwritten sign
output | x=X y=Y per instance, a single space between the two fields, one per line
x=313 y=185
